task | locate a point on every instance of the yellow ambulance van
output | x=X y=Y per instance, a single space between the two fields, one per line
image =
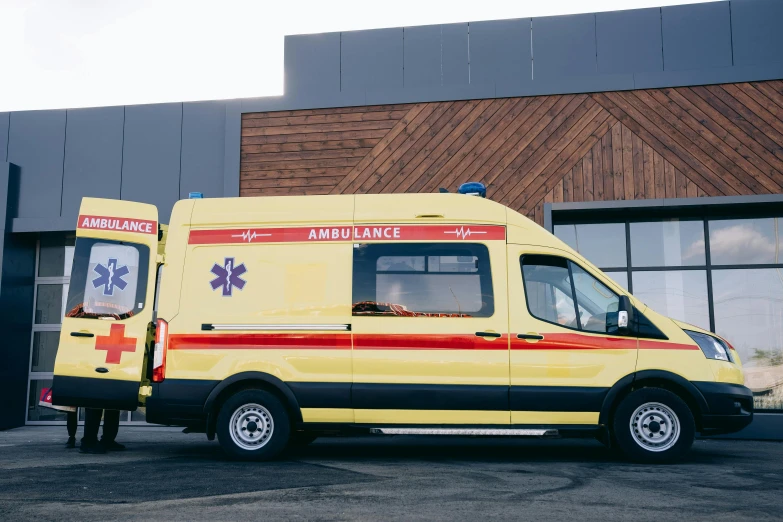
x=268 y=321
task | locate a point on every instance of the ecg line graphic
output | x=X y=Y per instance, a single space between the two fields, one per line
x=463 y=233
x=250 y=235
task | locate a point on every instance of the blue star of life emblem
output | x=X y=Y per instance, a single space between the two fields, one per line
x=228 y=276
x=110 y=277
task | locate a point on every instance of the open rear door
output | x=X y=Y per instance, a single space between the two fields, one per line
x=101 y=356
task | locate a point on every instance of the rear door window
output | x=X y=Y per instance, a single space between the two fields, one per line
x=421 y=280
x=108 y=279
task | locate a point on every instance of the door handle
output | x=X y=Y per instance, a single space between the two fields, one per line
x=488 y=334
x=82 y=334
x=534 y=337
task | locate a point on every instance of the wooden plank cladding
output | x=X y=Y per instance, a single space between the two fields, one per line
x=661 y=143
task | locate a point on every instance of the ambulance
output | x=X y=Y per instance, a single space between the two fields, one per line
x=270 y=321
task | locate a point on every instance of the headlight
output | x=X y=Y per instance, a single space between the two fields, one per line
x=712 y=347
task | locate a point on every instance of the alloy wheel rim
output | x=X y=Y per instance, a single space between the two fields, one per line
x=655 y=427
x=251 y=426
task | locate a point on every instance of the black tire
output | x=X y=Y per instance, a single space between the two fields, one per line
x=655 y=435
x=262 y=426
x=300 y=439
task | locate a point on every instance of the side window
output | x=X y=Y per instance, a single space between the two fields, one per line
x=595 y=300
x=108 y=279
x=561 y=292
x=422 y=280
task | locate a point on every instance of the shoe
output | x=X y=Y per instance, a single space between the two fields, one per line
x=95 y=448
x=113 y=446
x=71 y=443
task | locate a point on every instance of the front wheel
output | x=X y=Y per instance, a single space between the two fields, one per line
x=253 y=425
x=654 y=425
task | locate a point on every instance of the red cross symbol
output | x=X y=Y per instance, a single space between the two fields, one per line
x=115 y=343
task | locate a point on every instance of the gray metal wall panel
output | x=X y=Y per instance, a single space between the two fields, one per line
x=564 y=46
x=500 y=52
x=203 y=134
x=422 y=51
x=151 y=155
x=454 y=38
x=36 y=142
x=696 y=36
x=312 y=63
x=4 y=120
x=629 y=41
x=756 y=31
x=93 y=156
x=371 y=59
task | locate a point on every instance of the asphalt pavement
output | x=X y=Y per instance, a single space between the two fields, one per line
x=165 y=474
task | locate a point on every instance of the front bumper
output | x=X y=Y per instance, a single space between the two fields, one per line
x=729 y=407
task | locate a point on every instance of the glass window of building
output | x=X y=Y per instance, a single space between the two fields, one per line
x=725 y=275
x=745 y=241
x=667 y=243
x=603 y=244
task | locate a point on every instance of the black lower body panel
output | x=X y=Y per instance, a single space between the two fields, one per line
x=107 y=394
x=730 y=407
x=179 y=402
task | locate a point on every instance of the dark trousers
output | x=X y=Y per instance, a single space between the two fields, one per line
x=92 y=420
x=72 y=423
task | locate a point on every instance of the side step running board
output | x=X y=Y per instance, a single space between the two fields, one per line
x=488 y=432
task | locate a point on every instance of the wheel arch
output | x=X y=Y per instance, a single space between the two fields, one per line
x=654 y=378
x=245 y=380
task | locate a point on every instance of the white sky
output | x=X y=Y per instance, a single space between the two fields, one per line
x=80 y=53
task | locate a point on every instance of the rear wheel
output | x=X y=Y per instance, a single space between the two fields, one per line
x=654 y=425
x=253 y=425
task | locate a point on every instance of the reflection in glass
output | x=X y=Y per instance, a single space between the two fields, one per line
x=49 y=304
x=745 y=241
x=679 y=294
x=44 y=351
x=55 y=256
x=595 y=300
x=749 y=314
x=602 y=244
x=41 y=413
x=667 y=243
x=621 y=278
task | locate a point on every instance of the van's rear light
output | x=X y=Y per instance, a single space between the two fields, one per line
x=159 y=353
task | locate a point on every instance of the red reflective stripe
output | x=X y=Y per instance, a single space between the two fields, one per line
x=427 y=342
x=646 y=344
x=575 y=341
x=569 y=341
x=349 y=233
x=270 y=341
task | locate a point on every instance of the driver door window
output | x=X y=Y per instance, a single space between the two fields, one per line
x=561 y=292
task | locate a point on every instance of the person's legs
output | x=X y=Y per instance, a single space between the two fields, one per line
x=111 y=425
x=92 y=421
x=71 y=423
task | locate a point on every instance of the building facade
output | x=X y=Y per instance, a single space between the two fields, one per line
x=650 y=140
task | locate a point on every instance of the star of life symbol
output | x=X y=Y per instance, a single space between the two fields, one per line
x=228 y=276
x=464 y=233
x=250 y=235
x=110 y=277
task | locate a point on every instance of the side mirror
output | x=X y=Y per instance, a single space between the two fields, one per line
x=621 y=321
x=624 y=313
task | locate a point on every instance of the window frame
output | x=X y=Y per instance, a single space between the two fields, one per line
x=705 y=210
x=142 y=279
x=575 y=297
x=426 y=249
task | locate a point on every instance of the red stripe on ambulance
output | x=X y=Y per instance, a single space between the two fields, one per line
x=118 y=224
x=354 y=233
